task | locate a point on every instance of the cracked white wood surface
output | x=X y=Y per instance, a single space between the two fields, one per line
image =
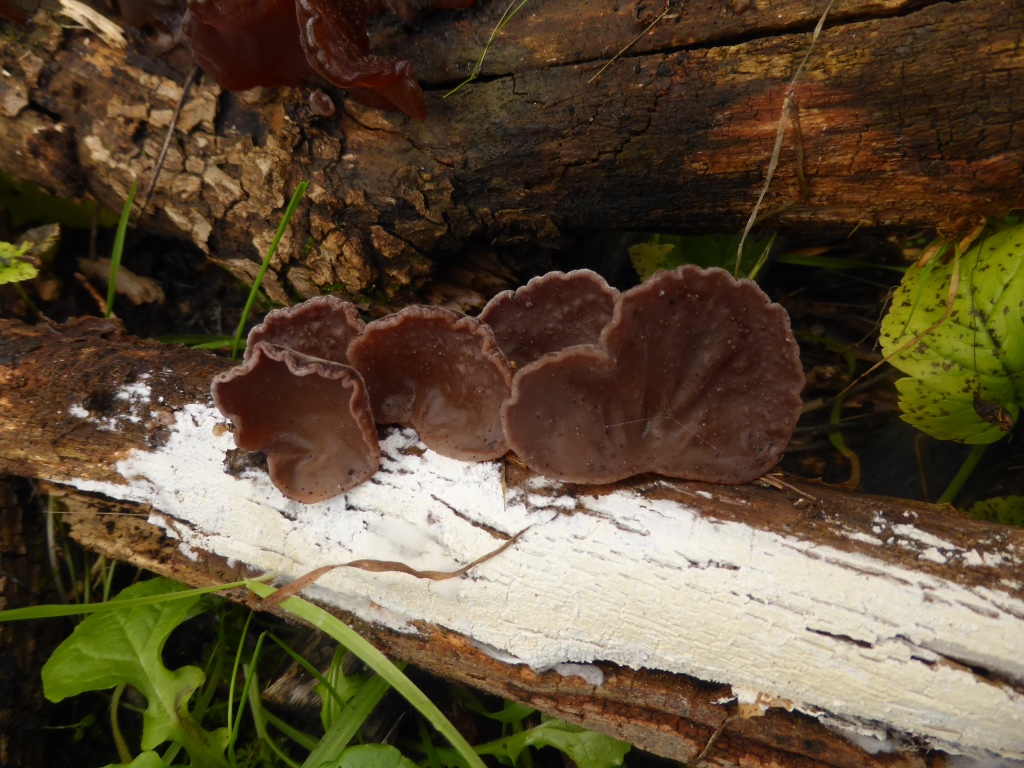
x=624 y=576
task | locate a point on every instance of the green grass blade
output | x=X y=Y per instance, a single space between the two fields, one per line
x=288 y=213
x=232 y=721
x=115 y=255
x=506 y=17
x=380 y=664
x=56 y=611
x=348 y=724
x=309 y=668
x=301 y=738
x=197 y=340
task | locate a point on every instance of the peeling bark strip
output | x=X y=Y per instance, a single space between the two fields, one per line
x=885 y=620
x=911 y=117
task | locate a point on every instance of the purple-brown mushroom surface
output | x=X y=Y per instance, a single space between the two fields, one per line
x=242 y=44
x=697 y=377
x=245 y=43
x=440 y=372
x=551 y=312
x=311 y=417
x=322 y=327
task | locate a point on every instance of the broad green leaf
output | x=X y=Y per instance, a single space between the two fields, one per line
x=125 y=646
x=12 y=268
x=585 y=748
x=965 y=376
x=144 y=760
x=1001 y=509
x=371 y=756
x=511 y=711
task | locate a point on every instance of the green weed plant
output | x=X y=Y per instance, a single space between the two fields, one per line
x=671 y=251
x=964 y=360
x=121 y=643
x=15 y=267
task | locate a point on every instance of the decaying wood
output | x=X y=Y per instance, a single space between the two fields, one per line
x=908 y=113
x=934 y=601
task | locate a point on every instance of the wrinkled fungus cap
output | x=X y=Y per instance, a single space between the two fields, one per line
x=551 y=312
x=697 y=377
x=242 y=44
x=311 y=417
x=245 y=43
x=322 y=327
x=440 y=372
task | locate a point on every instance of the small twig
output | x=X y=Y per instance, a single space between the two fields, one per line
x=798 y=145
x=100 y=301
x=779 y=484
x=385 y=566
x=94 y=21
x=711 y=742
x=787 y=106
x=631 y=43
x=167 y=141
x=506 y=17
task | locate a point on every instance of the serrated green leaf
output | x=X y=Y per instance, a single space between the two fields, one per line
x=125 y=646
x=966 y=375
x=1000 y=509
x=12 y=268
x=371 y=756
x=585 y=748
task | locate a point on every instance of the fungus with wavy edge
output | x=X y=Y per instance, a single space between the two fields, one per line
x=440 y=372
x=697 y=377
x=242 y=44
x=311 y=417
x=549 y=313
x=322 y=327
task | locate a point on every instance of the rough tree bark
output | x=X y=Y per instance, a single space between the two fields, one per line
x=835 y=615
x=908 y=113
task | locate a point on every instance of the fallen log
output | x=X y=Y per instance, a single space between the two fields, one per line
x=906 y=114
x=865 y=631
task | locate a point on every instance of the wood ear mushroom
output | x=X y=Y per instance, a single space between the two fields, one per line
x=242 y=44
x=694 y=375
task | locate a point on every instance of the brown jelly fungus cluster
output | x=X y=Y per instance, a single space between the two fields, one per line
x=242 y=44
x=693 y=375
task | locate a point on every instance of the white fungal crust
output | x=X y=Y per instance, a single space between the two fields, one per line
x=843 y=632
